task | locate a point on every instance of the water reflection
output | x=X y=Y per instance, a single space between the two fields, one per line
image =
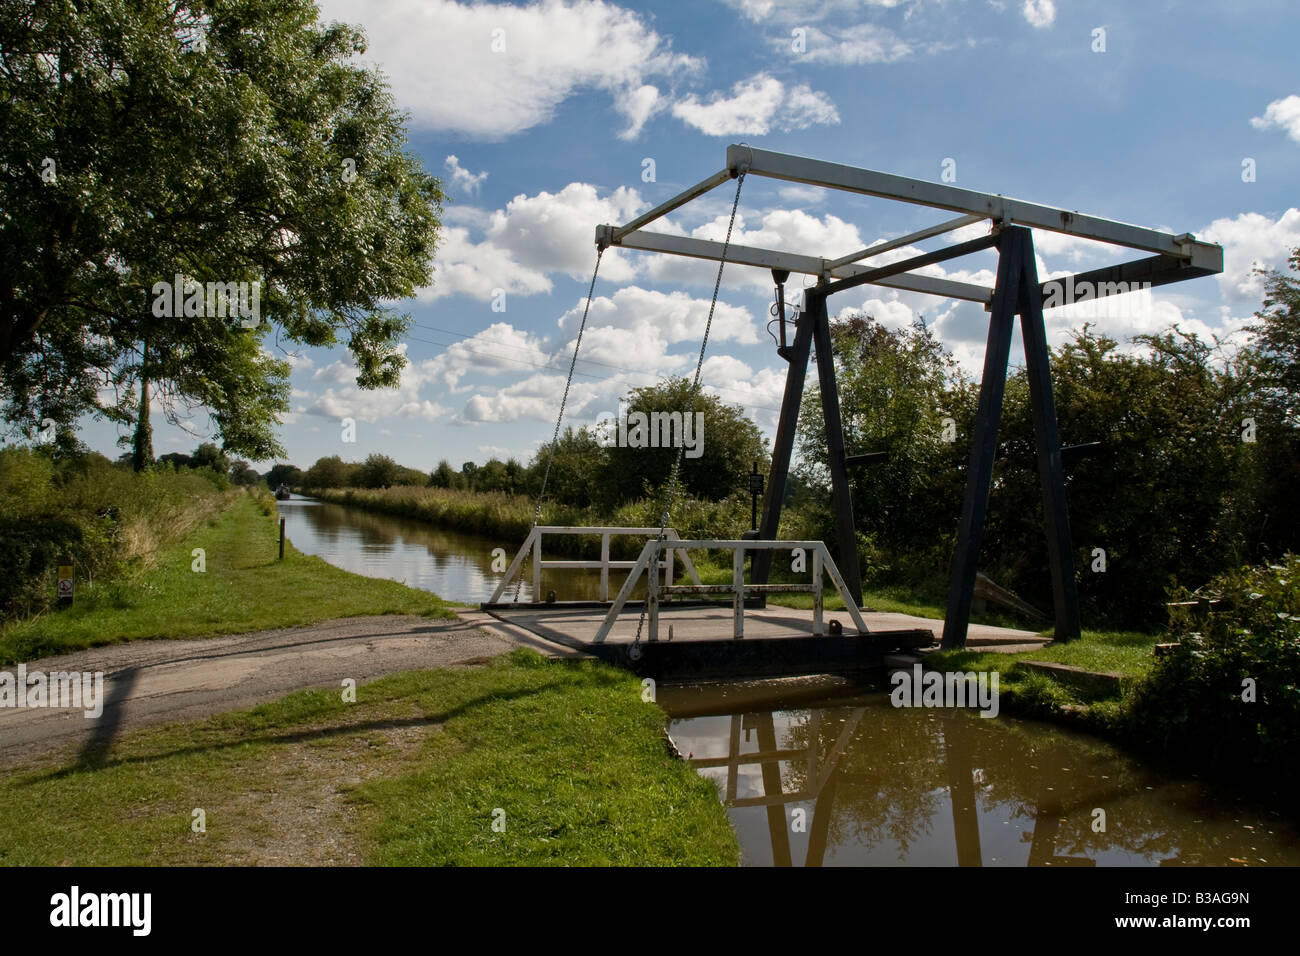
x=453 y=565
x=868 y=784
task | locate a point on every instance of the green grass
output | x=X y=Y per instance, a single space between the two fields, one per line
x=1123 y=652
x=568 y=750
x=244 y=588
x=1128 y=653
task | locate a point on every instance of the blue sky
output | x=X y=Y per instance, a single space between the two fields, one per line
x=550 y=136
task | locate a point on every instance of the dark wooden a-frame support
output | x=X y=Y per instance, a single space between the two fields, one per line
x=1017 y=292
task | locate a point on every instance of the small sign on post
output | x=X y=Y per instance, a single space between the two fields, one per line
x=65 y=588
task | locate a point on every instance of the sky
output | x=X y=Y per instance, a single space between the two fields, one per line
x=545 y=120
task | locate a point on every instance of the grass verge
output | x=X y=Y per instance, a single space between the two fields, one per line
x=412 y=773
x=1032 y=693
x=243 y=587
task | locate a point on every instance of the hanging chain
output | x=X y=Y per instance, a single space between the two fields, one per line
x=670 y=493
x=564 y=400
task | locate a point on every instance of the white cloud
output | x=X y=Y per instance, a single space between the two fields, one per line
x=669 y=317
x=796 y=11
x=557 y=231
x=1039 y=13
x=638 y=105
x=545 y=52
x=1283 y=114
x=536 y=397
x=369 y=405
x=462 y=178
x=531 y=237
x=1248 y=240
x=755 y=107
x=861 y=43
x=498 y=348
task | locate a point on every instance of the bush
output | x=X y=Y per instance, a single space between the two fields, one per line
x=104 y=517
x=1192 y=701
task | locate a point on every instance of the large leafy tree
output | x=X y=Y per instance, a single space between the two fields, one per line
x=725 y=447
x=223 y=142
x=1274 y=365
x=900 y=393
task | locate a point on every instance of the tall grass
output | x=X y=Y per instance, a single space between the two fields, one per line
x=107 y=519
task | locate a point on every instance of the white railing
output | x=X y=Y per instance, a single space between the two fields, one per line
x=533 y=543
x=650 y=560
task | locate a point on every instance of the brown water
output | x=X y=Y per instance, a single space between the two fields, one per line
x=864 y=783
x=451 y=564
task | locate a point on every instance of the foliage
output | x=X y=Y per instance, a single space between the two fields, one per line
x=236 y=142
x=1196 y=700
x=103 y=516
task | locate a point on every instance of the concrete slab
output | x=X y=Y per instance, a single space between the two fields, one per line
x=578 y=626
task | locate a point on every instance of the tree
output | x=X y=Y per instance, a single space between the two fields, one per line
x=1272 y=366
x=722 y=450
x=897 y=387
x=218 y=143
x=577 y=470
x=208 y=455
x=331 y=472
x=243 y=474
x=282 y=474
x=444 y=476
x=378 y=471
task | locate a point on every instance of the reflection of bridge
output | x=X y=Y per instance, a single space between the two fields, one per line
x=823 y=774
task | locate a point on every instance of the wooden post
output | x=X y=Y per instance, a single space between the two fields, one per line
x=281 y=537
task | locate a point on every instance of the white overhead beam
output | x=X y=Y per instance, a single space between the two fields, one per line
x=814 y=172
x=793 y=262
x=681 y=199
x=908 y=239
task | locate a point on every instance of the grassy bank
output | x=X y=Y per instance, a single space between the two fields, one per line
x=1032 y=693
x=243 y=587
x=410 y=774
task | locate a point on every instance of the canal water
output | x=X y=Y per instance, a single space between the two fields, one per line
x=453 y=565
x=826 y=774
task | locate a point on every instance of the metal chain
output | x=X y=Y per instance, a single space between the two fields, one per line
x=564 y=400
x=670 y=493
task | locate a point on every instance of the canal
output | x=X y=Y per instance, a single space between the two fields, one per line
x=822 y=773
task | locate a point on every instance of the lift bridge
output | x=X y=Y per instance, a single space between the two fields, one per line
x=713 y=638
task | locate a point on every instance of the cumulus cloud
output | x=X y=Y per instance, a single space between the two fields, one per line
x=524 y=60
x=1249 y=240
x=497 y=349
x=757 y=106
x=462 y=178
x=531 y=237
x=670 y=317
x=1282 y=114
x=1039 y=13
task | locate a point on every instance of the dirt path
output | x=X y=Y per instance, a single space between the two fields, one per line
x=150 y=682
